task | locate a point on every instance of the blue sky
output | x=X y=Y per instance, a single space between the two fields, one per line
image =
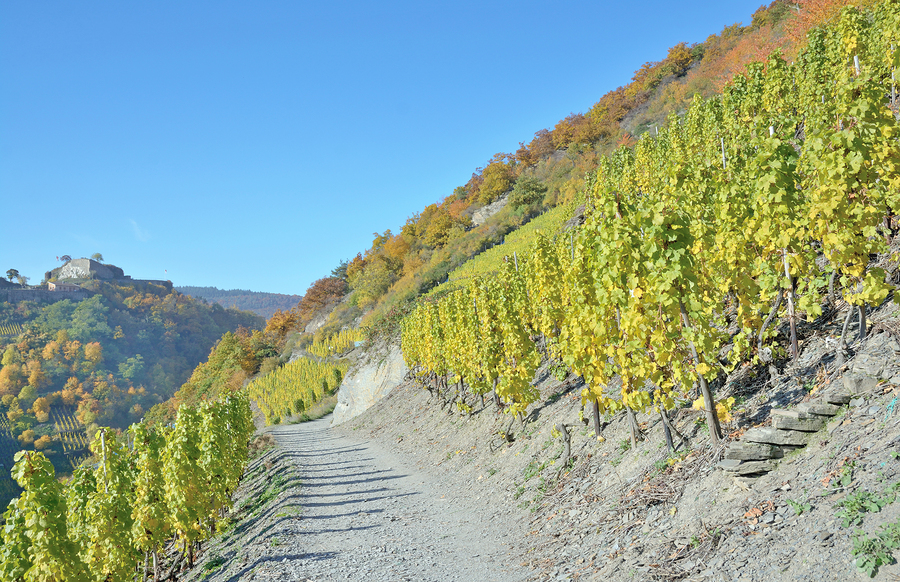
x=254 y=145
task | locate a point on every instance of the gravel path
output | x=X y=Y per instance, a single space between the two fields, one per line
x=351 y=510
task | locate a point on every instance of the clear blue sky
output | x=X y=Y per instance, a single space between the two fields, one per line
x=254 y=145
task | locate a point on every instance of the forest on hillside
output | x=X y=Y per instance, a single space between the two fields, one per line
x=260 y=303
x=71 y=366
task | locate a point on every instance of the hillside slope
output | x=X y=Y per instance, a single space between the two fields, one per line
x=263 y=304
x=617 y=513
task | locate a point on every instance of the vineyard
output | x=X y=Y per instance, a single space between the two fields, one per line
x=295 y=387
x=112 y=519
x=768 y=200
x=10 y=330
x=516 y=242
x=336 y=344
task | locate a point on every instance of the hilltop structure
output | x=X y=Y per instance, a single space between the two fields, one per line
x=77 y=279
x=87 y=269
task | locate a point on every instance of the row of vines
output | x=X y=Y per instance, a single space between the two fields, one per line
x=295 y=387
x=147 y=488
x=336 y=344
x=762 y=201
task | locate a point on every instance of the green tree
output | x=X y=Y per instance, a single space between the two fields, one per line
x=527 y=191
x=498 y=177
x=97 y=257
x=12 y=274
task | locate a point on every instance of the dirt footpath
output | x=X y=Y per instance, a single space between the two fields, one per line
x=330 y=506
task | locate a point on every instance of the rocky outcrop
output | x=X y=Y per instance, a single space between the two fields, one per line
x=87 y=269
x=482 y=214
x=368 y=384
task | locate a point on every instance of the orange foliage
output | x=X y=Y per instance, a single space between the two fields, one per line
x=71 y=349
x=325 y=291
x=36 y=376
x=93 y=353
x=11 y=379
x=812 y=13
x=43 y=442
x=281 y=323
x=41 y=405
x=51 y=350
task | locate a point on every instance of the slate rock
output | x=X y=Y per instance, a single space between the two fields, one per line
x=749 y=451
x=818 y=408
x=869 y=365
x=838 y=397
x=794 y=420
x=775 y=436
x=736 y=467
x=856 y=383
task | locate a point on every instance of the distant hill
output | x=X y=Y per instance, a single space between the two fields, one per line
x=264 y=304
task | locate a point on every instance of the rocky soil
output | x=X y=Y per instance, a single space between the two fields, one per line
x=409 y=490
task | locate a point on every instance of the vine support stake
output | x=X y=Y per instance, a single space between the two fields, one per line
x=893 y=83
x=792 y=318
x=103 y=448
x=856 y=64
x=722 y=142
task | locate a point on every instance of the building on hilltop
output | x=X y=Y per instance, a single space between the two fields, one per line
x=51 y=286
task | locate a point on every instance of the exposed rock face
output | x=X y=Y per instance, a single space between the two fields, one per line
x=321 y=318
x=368 y=384
x=87 y=269
x=482 y=214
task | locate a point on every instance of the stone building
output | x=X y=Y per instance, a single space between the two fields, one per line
x=51 y=286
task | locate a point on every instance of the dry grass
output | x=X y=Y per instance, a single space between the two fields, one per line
x=261 y=444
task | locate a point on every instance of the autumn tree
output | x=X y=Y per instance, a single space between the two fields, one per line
x=15 y=411
x=380 y=273
x=497 y=177
x=324 y=292
x=36 y=375
x=43 y=442
x=93 y=355
x=281 y=323
x=41 y=408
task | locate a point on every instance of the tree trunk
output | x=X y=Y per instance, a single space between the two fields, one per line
x=772 y=313
x=636 y=434
x=839 y=356
x=672 y=430
x=668 y=433
x=709 y=405
x=862 y=322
